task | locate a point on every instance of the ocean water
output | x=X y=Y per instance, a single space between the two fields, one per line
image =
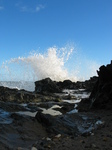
x=57 y=63
x=27 y=85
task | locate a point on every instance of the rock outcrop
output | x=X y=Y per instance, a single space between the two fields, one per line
x=69 y=124
x=46 y=86
x=101 y=96
x=15 y=95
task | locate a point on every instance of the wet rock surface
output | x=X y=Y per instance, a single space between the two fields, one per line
x=26 y=126
x=49 y=86
x=58 y=113
x=22 y=132
x=44 y=130
x=28 y=123
x=44 y=90
x=70 y=124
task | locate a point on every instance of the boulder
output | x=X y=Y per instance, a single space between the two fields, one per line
x=44 y=119
x=15 y=95
x=84 y=105
x=66 y=84
x=46 y=86
x=73 y=124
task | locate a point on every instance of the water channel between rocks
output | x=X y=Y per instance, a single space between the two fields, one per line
x=82 y=121
x=77 y=94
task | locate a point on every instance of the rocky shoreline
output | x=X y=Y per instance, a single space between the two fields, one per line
x=25 y=123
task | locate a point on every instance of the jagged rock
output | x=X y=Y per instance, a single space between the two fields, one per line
x=45 y=119
x=15 y=95
x=101 y=96
x=69 y=124
x=84 y=105
x=66 y=84
x=44 y=91
x=46 y=86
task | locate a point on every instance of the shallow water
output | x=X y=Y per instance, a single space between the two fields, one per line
x=78 y=94
x=73 y=101
x=51 y=111
x=27 y=85
x=5 y=117
x=28 y=113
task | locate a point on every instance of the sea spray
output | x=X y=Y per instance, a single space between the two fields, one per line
x=57 y=63
x=38 y=66
x=27 y=85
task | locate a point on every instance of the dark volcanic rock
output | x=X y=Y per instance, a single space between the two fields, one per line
x=69 y=124
x=66 y=84
x=44 y=119
x=15 y=95
x=101 y=96
x=46 y=86
x=88 y=84
x=49 y=86
x=84 y=105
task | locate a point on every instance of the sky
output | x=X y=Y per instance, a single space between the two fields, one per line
x=27 y=25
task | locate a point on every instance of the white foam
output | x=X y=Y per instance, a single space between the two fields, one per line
x=57 y=63
x=51 y=111
x=38 y=66
x=27 y=85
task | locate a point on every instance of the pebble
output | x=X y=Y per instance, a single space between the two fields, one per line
x=58 y=136
x=93 y=145
x=82 y=141
x=33 y=148
x=48 y=139
x=20 y=148
x=105 y=139
x=92 y=133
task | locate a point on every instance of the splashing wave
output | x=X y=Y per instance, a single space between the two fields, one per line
x=58 y=64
